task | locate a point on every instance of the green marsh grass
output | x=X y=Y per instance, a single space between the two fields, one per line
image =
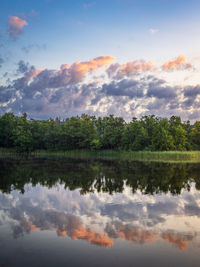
x=167 y=156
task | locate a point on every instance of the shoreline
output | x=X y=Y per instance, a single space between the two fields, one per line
x=159 y=156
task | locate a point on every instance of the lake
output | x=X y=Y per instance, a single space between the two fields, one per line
x=70 y=212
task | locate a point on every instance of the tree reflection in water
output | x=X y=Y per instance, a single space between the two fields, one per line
x=100 y=175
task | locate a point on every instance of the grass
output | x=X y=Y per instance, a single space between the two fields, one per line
x=166 y=156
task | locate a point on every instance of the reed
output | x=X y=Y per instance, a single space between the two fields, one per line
x=168 y=156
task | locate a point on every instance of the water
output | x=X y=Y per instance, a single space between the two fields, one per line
x=64 y=212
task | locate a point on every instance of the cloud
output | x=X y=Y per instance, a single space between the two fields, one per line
x=6 y=94
x=181 y=241
x=138 y=235
x=130 y=68
x=63 y=224
x=166 y=92
x=158 y=88
x=192 y=91
x=79 y=69
x=135 y=67
x=67 y=75
x=130 y=88
x=134 y=234
x=16 y=26
x=43 y=92
x=190 y=96
x=153 y=31
x=88 y=5
x=178 y=63
x=136 y=88
x=22 y=67
x=1 y=61
x=112 y=69
x=44 y=89
x=32 y=73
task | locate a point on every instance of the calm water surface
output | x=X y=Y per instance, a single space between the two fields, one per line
x=64 y=212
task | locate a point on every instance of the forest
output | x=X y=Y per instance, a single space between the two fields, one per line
x=149 y=133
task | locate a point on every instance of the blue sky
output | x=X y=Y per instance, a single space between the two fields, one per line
x=56 y=32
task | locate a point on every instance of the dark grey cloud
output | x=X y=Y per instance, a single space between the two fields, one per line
x=192 y=91
x=153 y=81
x=156 y=105
x=6 y=93
x=162 y=208
x=159 y=92
x=57 y=95
x=1 y=61
x=135 y=88
x=35 y=105
x=174 y=104
x=192 y=210
x=130 y=88
x=188 y=103
x=23 y=67
x=85 y=95
x=129 y=212
x=125 y=212
x=21 y=83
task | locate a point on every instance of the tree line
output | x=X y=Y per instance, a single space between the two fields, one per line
x=148 y=133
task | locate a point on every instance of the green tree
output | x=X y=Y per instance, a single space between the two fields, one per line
x=178 y=133
x=134 y=136
x=52 y=134
x=149 y=123
x=109 y=131
x=195 y=135
x=23 y=139
x=162 y=140
x=7 y=129
x=78 y=133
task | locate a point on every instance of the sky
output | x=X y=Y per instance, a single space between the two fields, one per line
x=130 y=58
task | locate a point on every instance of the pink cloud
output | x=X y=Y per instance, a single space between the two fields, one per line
x=33 y=73
x=16 y=26
x=130 y=68
x=78 y=69
x=178 y=63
